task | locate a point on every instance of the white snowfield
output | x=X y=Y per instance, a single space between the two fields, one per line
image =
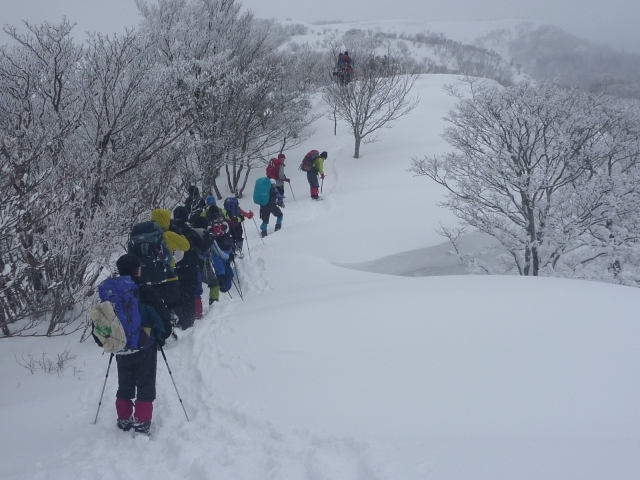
x=325 y=372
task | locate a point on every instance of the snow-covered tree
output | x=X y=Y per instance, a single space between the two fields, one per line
x=39 y=112
x=83 y=140
x=546 y=171
x=378 y=95
x=233 y=83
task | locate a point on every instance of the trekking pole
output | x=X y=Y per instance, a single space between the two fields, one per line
x=103 y=387
x=294 y=197
x=246 y=238
x=239 y=286
x=174 y=383
x=237 y=289
x=256 y=224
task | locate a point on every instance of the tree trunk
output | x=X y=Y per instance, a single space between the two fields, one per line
x=3 y=324
x=356 y=154
x=216 y=189
x=244 y=183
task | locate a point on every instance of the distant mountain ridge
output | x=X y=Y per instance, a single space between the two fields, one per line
x=506 y=50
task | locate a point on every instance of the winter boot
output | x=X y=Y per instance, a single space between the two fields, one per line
x=142 y=427
x=263 y=233
x=314 y=192
x=278 y=226
x=125 y=424
x=198 y=308
x=144 y=412
x=124 y=409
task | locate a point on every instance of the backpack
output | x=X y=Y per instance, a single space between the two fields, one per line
x=308 y=160
x=116 y=321
x=232 y=206
x=262 y=191
x=147 y=243
x=273 y=168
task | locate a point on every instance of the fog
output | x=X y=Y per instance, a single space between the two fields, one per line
x=612 y=22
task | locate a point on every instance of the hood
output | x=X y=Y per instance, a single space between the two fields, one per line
x=162 y=217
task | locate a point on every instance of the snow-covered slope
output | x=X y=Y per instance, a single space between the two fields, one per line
x=328 y=372
x=461 y=31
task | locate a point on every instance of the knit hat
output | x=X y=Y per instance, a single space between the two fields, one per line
x=128 y=264
x=324 y=155
x=211 y=200
x=281 y=156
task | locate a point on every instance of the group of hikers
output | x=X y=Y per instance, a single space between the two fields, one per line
x=160 y=279
x=344 y=70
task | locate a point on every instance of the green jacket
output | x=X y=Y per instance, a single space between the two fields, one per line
x=318 y=164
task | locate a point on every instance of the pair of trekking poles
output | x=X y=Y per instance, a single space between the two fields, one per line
x=170 y=374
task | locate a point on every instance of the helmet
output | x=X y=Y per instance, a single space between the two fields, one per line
x=211 y=200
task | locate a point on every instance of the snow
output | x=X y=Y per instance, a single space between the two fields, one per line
x=349 y=359
x=464 y=31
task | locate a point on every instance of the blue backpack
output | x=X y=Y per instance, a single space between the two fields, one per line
x=122 y=293
x=232 y=206
x=262 y=191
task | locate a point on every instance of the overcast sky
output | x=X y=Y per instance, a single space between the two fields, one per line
x=614 y=22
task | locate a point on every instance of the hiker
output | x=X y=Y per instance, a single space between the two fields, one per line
x=205 y=267
x=211 y=210
x=177 y=244
x=281 y=177
x=347 y=62
x=234 y=216
x=317 y=168
x=345 y=68
x=187 y=267
x=276 y=200
x=137 y=365
x=194 y=202
x=221 y=255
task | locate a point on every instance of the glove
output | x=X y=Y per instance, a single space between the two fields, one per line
x=282 y=205
x=288 y=180
x=250 y=215
x=322 y=176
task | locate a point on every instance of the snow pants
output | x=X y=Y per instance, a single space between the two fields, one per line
x=188 y=280
x=170 y=294
x=314 y=184
x=137 y=379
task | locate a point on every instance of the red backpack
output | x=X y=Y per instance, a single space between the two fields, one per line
x=273 y=167
x=308 y=160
